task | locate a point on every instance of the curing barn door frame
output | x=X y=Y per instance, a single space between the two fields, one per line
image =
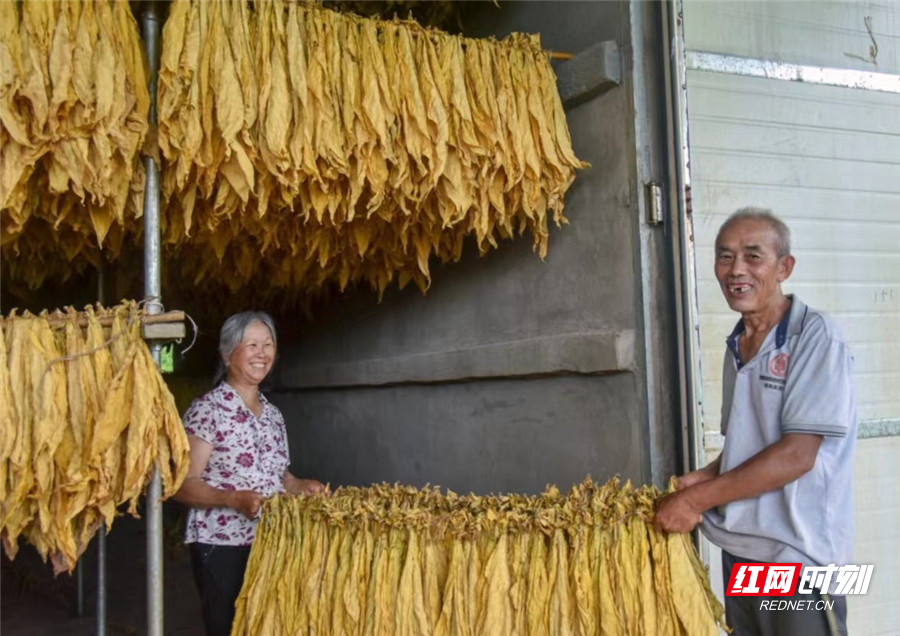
x=795 y=106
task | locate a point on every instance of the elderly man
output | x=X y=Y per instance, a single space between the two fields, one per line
x=781 y=491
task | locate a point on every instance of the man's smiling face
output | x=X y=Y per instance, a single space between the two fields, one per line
x=748 y=267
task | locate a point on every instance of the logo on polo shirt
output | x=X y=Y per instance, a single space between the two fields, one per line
x=777 y=368
x=778 y=365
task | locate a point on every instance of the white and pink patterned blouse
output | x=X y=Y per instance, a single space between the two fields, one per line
x=249 y=453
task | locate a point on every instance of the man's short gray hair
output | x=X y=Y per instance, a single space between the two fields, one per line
x=782 y=231
x=232 y=334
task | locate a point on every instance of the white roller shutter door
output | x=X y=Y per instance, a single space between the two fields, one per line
x=826 y=158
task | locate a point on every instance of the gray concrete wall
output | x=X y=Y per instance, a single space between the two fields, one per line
x=513 y=435
x=511 y=372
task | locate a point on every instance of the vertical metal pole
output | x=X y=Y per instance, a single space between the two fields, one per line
x=101 y=536
x=101 y=581
x=152 y=292
x=79 y=588
x=101 y=533
x=682 y=233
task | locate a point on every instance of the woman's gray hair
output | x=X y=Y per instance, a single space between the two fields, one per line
x=782 y=231
x=232 y=334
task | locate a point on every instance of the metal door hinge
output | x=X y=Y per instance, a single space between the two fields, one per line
x=654 y=204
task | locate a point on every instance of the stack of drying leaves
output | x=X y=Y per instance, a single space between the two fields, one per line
x=401 y=561
x=73 y=108
x=304 y=147
x=85 y=416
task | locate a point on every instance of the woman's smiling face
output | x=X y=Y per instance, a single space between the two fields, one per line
x=252 y=360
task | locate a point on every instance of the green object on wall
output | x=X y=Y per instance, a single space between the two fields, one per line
x=167 y=358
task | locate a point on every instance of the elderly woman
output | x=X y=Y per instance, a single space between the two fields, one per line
x=239 y=456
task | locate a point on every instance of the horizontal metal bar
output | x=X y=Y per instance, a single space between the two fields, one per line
x=879 y=428
x=770 y=69
x=867 y=429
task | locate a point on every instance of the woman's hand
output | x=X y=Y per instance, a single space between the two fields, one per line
x=296 y=486
x=311 y=486
x=247 y=502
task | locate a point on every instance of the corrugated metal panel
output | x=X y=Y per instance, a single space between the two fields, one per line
x=821 y=33
x=877 y=508
x=828 y=161
x=877 y=537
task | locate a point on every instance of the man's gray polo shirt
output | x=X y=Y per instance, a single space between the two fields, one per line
x=799 y=382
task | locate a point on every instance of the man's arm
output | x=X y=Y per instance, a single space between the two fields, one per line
x=710 y=471
x=296 y=486
x=781 y=463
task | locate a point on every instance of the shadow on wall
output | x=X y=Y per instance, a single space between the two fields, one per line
x=483 y=437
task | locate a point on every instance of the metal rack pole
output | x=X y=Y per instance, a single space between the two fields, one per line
x=101 y=532
x=152 y=294
x=101 y=581
x=79 y=589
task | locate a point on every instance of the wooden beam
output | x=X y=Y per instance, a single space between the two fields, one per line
x=590 y=73
x=59 y=319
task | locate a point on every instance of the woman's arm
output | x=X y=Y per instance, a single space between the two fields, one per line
x=196 y=493
x=296 y=486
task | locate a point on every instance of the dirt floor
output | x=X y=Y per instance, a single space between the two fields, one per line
x=34 y=603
